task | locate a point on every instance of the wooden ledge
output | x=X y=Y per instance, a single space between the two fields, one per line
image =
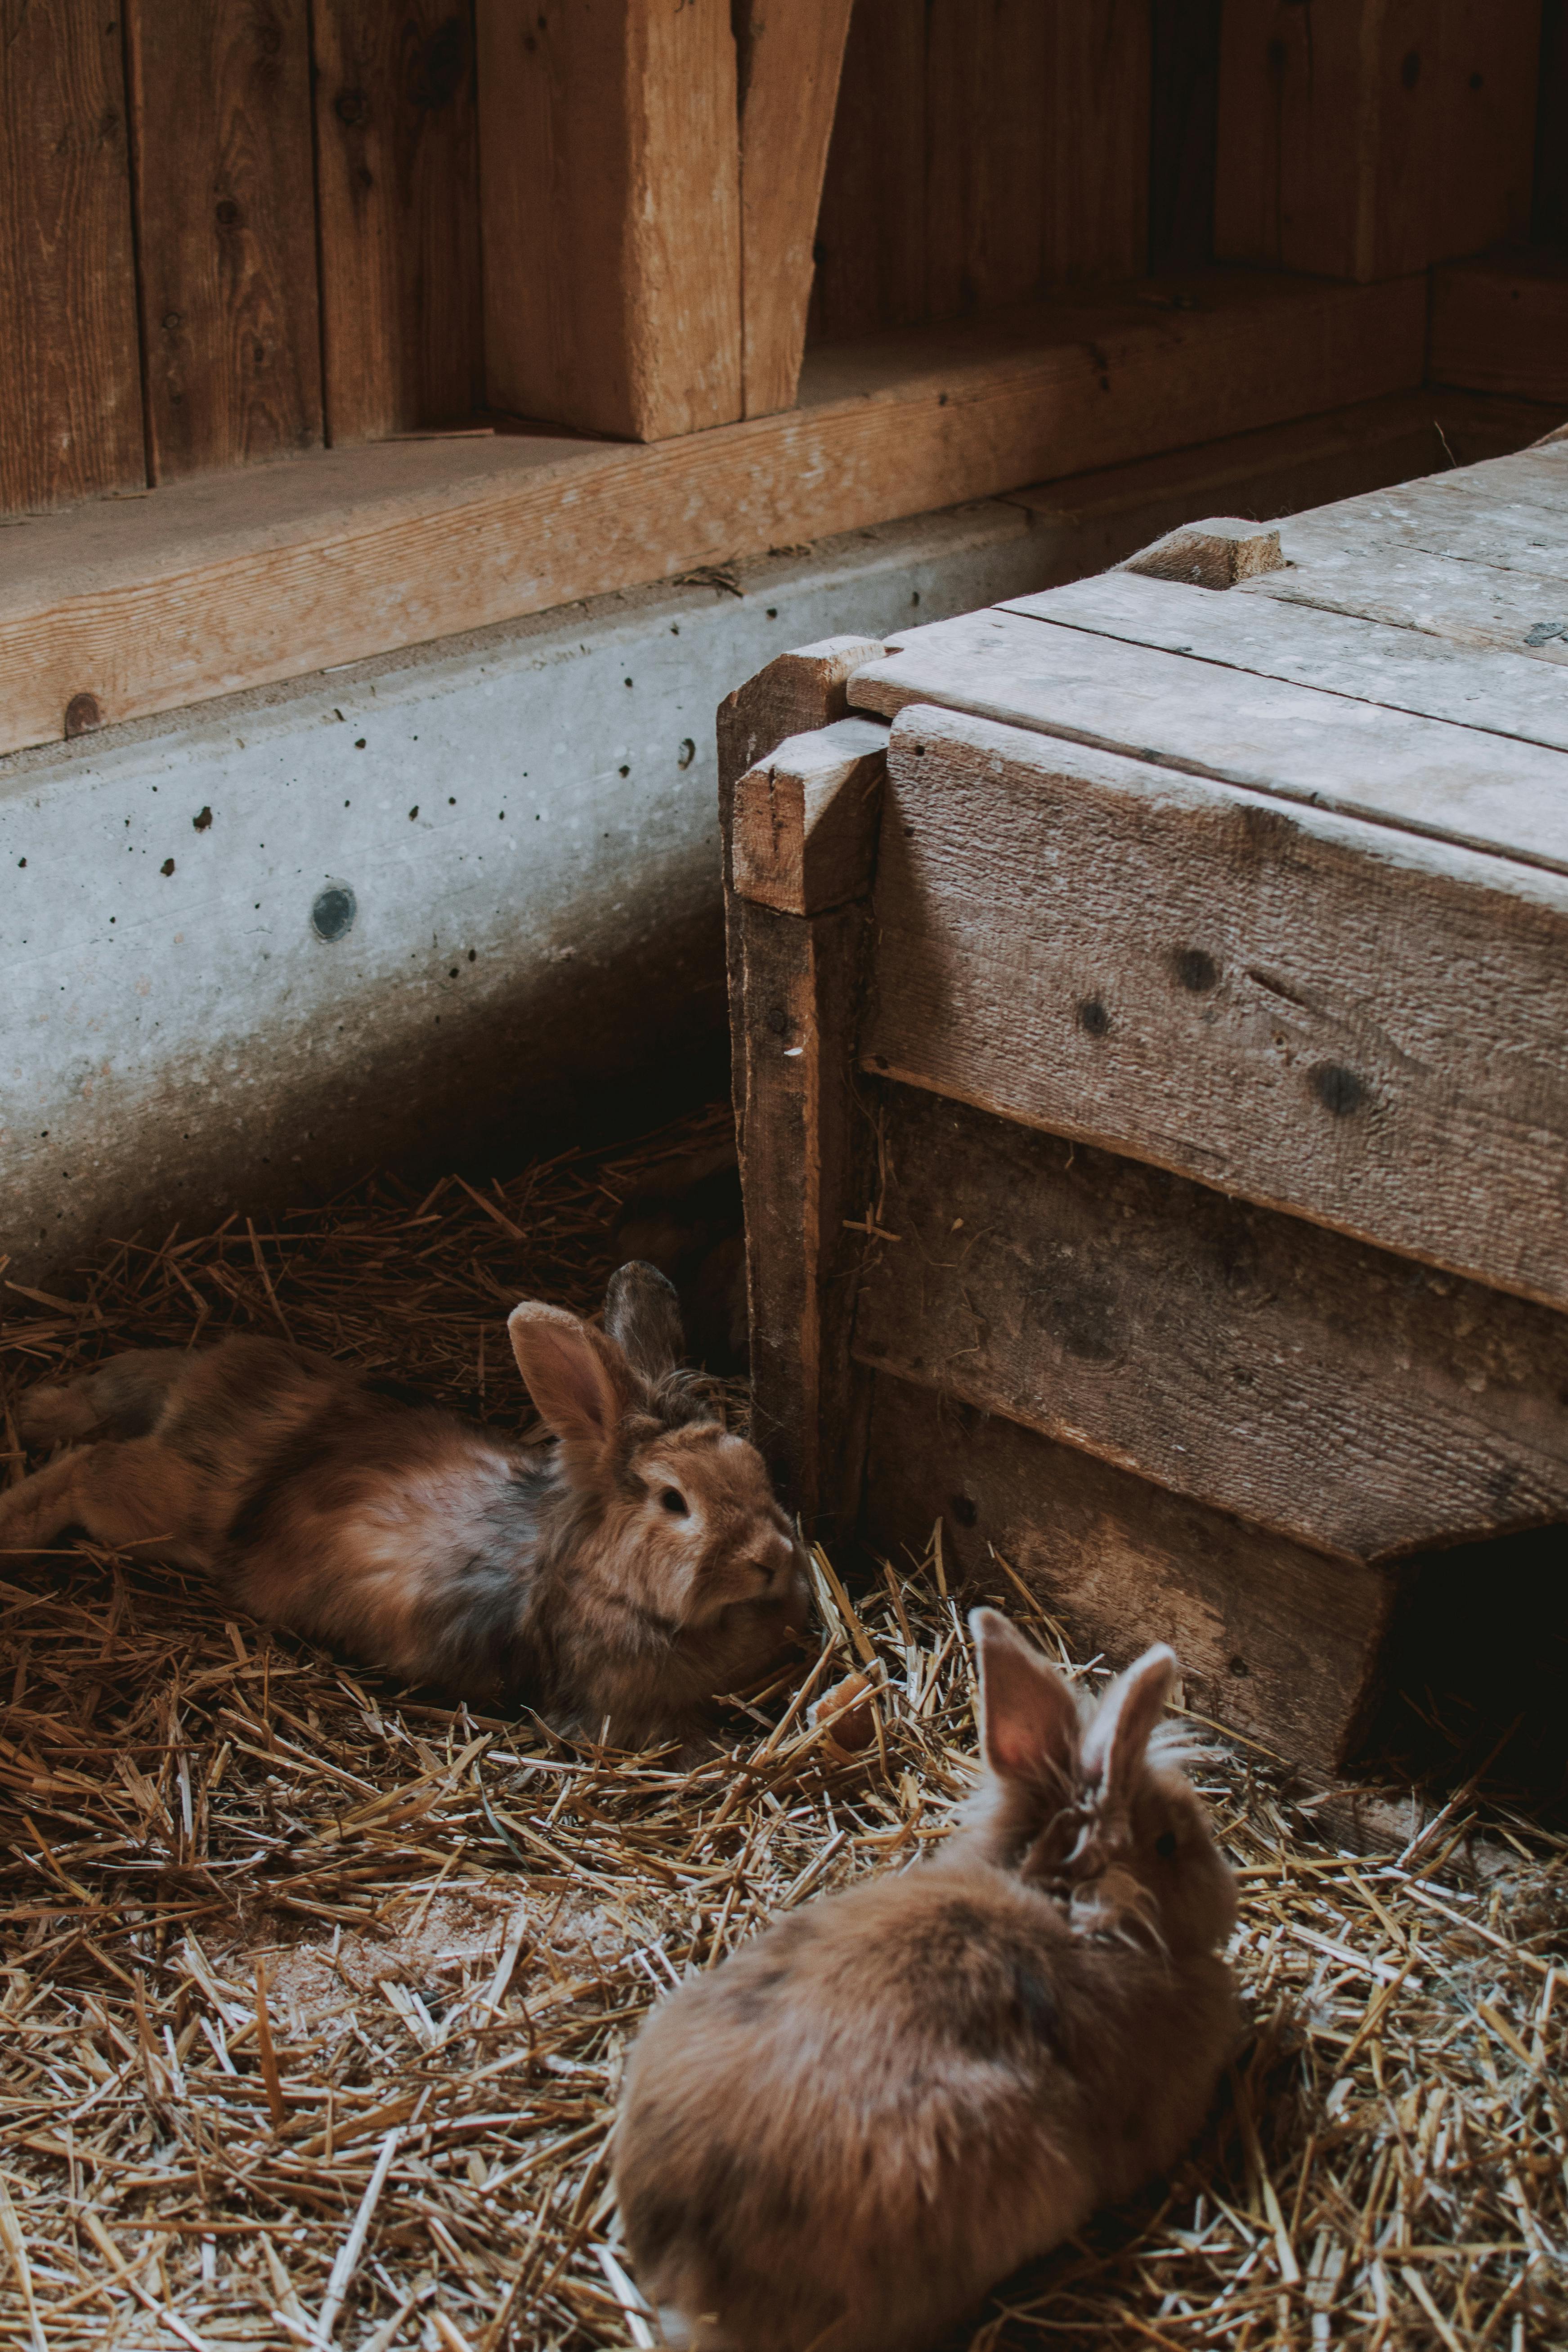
x=142 y=603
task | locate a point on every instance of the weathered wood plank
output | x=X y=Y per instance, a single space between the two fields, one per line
x=611 y=214
x=1338 y=1018
x=1338 y=1394
x=397 y=165
x=1499 y=693
x=806 y=819
x=1441 y=597
x=67 y=315
x=1501 y=325
x=210 y=588
x=1510 y=535
x=225 y=232
x=788 y=62
x=1278 y=1641
x=1376 y=137
x=1215 y=553
x=1458 y=784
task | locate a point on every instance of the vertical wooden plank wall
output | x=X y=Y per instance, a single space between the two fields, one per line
x=70 y=390
x=397 y=165
x=226 y=231
x=1183 y=133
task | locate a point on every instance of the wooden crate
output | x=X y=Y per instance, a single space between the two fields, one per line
x=1148 y=1003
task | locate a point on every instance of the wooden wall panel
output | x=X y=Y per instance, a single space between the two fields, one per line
x=226 y=231
x=70 y=392
x=1183 y=133
x=398 y=157
x=611 y=215
x=1549 y=209
x=870 y=228
x=1368 y=137
x=989 y=125
x=1094 y=141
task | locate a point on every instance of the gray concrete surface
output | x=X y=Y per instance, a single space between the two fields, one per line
x=451 y=905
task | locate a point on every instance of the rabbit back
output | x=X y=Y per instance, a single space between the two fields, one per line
x=952 y=2082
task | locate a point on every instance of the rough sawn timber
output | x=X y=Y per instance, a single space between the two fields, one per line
x=806 y=819
x=1340 y=1395
x=1280 y=1642
x=1350 y=1023
x=1458 y=783
x=217 y=585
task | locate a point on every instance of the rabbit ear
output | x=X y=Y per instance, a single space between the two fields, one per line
x=642 y=1314
x=1116 y=1740
x=579 y=1379
x=1029 y=1714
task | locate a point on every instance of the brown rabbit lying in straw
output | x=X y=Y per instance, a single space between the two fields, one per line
x=636 y=1568
x=863 y=2119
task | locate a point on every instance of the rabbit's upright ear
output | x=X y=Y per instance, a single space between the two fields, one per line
x=1118 y=1738
x=579 y=1379
x=1029 y=1721
x=642 y=1314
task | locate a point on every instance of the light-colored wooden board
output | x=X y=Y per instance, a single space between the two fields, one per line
x=1508 y=535
x=397 y=200
x=1353 y=1023
x=1376 y=136
x=1501 y=325
x=1441 y=597
x=788 y=63
x=72 y=372
x=1278 y=1641
x=611 y=214
x=225 y=232
x=1253 y=1361
x=212 y=586
x=1458 y=784
x=1499 y=693
x=806 y=819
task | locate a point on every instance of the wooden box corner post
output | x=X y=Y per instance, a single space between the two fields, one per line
x=801 y=797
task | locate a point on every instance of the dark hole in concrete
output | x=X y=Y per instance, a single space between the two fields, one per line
x=333 y=911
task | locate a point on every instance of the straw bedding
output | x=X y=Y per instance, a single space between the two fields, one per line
x=315 y=1997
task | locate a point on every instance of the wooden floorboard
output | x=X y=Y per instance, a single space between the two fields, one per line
x=231 y=581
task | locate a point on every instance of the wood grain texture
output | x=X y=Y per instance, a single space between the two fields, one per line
x=1213 y=554
x=1515 y=535
x=225 y=232
x=1442 y=596
x=1502 y=326
x=1097 y=145
x=806 y=819
x=397 y=162
x=871 y=225
x=611 y=214
x=1457 y=783
x=1278 y=1641
x=72 y=421
x=1374 y=137
x=1343 y=1020
x=282 y=569
x=991 y=119
x=789 y=58
x=1499 y=693
x=1338 y=1394
x=1183 y=131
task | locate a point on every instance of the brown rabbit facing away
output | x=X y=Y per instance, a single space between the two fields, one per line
x=636 y=1568
x=859 y=2122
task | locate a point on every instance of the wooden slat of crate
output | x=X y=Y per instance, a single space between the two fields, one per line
x=1337 y=1019
x=1340 y=1395
x=1499 y=693
x=1278 y=1641
x=1457 y=783
x=225 y=232
x=398 y=195
x=1512 y=536
x=72 y=426
x=1441 y=597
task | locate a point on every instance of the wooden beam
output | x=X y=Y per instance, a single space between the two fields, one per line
x=1368 y=139
x=1206 y=1343
x=610 y=204
x=1500 y=324
x=397 y=162
x=1285 y=1003
x=211 y=587
x=788 y=63
x=225 y=232
x=67 y=315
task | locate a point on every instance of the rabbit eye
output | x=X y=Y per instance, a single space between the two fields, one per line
x=673 y=1502
x=1165 y=1844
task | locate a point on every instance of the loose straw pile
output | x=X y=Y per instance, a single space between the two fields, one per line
x=315 y=1997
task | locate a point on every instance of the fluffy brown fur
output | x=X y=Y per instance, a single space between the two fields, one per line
x=635 y=1567
x=850 y=2130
